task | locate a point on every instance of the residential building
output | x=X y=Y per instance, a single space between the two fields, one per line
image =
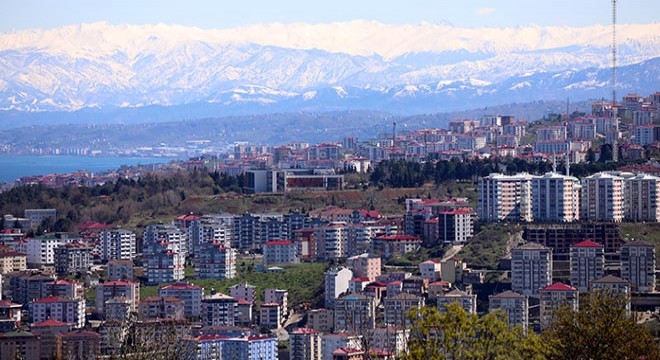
x=165 y=266
x=59 y=308
x=305 y=240
x=505 y=198
x=398 y=306
x=638 y=266
x=72 y=258
x=244 y=313
x=215 y=261
x=10 y=315
x=63 y=288
x=642 y=198
x=19 y=344
x=46 y=331
x=365 y=265
x=279 y=252
x=25 y=286
x=244 y=291
x=210 y=228
x=452 y=270
x=430 y=270
x=277 y=296
x=110 y=289
x=37 y=216
x=118 y=309
x=120 y=270
x=79 y=345
x=531 y=268
x=342 y=340
x=602 y=197
x=554 y=296
x=11 y=260
x=305 y=344
x=587 y=264
x=388 y=246
x=466 y=300
x=555 y=197
x=41 y=250
x=159 y=307
x=355 y=313
x=191 y=296
x=118 y=244
x=336 y=283
x=455 y=226
x=514 y=305
x=321 y=320
x=330 y=241
x=270 y=316
x=219 y=310
x=250 y=348
x=613 y=285
x=161 y=237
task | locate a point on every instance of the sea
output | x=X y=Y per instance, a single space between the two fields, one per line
x=14 y=167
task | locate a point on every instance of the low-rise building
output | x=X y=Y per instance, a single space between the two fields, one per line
x=11 y=260
x=47 y=331
x=63 y=288
x=430 y=270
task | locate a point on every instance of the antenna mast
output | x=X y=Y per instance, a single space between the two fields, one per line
x=615 y=118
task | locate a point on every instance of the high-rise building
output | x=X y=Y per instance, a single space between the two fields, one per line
x=118 y=244
x=355 y=313
x=642 y=198
x=305 y=344
x=505 y=198
x=62 y=309
x=161 y=237
x=219 y=310
x=613 y=286
x=555 y=197
x=514 y=305
x=190 y=294
x=638 y=265
x=165 y=266
x=587 y=264
x=336 y=283
x=455 y=226
x=398 y=306
x=554 y=296
x=215 y=260
x=602 y=197
x=531 y=268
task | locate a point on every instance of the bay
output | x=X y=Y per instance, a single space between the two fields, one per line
x=14 y=167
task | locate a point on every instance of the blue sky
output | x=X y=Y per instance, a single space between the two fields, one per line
x=25 y=14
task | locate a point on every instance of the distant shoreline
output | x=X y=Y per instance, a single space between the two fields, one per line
x=17 y=166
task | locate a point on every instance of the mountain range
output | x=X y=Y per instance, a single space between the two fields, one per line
x=106 y=72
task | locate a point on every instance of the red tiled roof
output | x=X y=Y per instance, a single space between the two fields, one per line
x=180 y=287
x=91 y=225
x=118 y=283
x=7 y=303
x=360 y=278
x=53 y=299
x=459 y=211
x=559 y=286
x=304 y=331
x=587 y=243
x=49 y=322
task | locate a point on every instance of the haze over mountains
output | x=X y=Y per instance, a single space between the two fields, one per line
x=406 y=69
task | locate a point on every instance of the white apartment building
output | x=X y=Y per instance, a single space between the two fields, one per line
x=118 y=244
x=331 y=241
x=602 y=197
x=642 y=198
x=190 y=294
x=244 y=291
x=164 y=236
x=455 y=226
x=336 y=283
x=505 y=198
x=41 y=250
x=555 y=197
x=638 y=265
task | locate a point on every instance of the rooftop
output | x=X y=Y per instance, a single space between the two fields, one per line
x=559 y=286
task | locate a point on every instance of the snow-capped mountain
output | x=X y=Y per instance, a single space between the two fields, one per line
x=291 y=66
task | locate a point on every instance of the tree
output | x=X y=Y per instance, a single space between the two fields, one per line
x=601 y=329
x=456 y=334
x=605 y=153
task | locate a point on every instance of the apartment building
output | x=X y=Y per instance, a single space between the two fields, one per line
x=62 y=309
x=638 y=266
x=215 y=260
x=531 y=268
x=587 y=264
x=514 y=305
x=554 y=296
x=191 y=296
x=505 y=198
x=602 y=197
x=555 y=197
x=642 y=198
x=118 y=244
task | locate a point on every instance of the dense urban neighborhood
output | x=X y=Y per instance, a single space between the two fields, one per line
x=348 y=250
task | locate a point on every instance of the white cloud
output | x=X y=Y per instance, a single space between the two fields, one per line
x=485 y=11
